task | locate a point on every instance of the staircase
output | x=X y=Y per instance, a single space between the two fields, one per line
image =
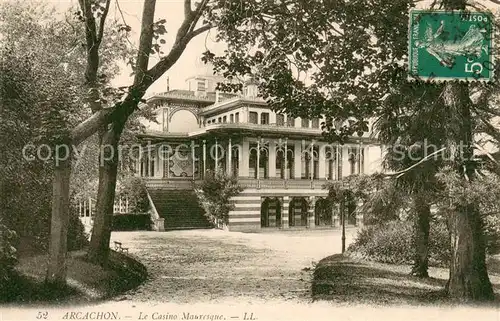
x=179 y=208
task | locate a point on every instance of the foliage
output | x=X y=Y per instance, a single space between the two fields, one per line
x=8 y=255
x=484 y=191
x=214 y=195
x=393 y=242
x=135 y=190
x=40 y=84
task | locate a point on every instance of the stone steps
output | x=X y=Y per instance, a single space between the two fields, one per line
x=179 y=209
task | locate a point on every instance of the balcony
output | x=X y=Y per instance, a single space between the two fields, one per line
x=271 y=183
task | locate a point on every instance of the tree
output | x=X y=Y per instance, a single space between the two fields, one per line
x=214 y=195
x=110 y=121
x=339 y=59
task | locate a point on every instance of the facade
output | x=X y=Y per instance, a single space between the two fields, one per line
x=282 y=162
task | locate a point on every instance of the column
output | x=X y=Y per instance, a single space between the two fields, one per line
x=285 y=168
x=258 y=158
x=161 y=161
x=310 y=210
x=284 y=212
x=272 y=159
x=311 y=162
x=229 y=157
x=321 y=161
x=193 y=156
x=346 y=167
x=243 y=158
x=204 y=157
x=216 y=156
x=297 y=160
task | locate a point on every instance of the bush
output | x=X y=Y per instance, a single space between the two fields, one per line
x=393 y=242
x=492 y=234
x=135 y=189
x=214 y=195
x=8 y=253
x=77 y=238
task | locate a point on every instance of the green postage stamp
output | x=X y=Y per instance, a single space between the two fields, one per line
x=450 y=45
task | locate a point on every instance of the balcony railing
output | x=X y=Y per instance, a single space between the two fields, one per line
x=272 y=183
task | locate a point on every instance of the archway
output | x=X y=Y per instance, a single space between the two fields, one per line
x=297 y=213
x=270 y=213
x=322 y=212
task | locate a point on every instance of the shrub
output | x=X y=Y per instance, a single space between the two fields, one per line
x=214 y=195
x=135 y=189
x=492 y=234
x=77 y=238
x=8 y=253
x=393 y=242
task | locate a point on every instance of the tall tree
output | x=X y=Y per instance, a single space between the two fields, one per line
x=110 y=121
x=339 y=59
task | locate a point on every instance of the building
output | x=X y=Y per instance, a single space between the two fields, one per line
x=282 y=162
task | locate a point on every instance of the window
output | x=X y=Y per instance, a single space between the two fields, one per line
x=201 y=85
x=254 y=117
x=305 y=123
x=219 y=120
x=264 y=119
x=315 y=123
x=237 y=117
x=290 y=121
x=231 y=118
x=224 y=119
x=280 y=119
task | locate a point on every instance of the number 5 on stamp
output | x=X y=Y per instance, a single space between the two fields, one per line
x=450 y=45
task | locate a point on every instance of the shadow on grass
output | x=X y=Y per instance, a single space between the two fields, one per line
x=86 y=282
x=340 y=279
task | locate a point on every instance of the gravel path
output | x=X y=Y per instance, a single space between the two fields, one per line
x=212 y=266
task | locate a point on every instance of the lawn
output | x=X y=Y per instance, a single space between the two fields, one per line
x=341 y=279
x=86 y=282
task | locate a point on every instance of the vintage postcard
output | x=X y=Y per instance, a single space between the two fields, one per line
x=249 y=160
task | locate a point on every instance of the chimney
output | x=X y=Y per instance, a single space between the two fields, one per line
x=168 y=83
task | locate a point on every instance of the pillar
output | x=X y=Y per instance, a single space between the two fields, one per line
x=229 y=156
x=346 y=167
x=244 y=158
x=258 y=158
x=285 y=168
x=216 y=156
x=322 y=161
x=272 y=159
x=310 y=211
x=193 y=157
x=311 y=162
x=297 y=159
x=204 y=157
x=284 y=212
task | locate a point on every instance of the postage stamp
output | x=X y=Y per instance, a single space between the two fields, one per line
x=450 y=45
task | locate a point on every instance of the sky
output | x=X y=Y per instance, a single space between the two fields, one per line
x=173 y=12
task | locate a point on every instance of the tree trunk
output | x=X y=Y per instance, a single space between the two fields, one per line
x=468 y=274
x=56 y=270
x=108 y=169
x=422 y=227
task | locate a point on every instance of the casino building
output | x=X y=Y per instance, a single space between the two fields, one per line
x=282 y=162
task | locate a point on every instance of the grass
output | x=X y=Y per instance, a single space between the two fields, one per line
x=341 y=279
x=86 y=282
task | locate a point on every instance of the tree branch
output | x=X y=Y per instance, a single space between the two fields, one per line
x=200 y=30
x=103 y=21
x=145 y=41
x=187 y=9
